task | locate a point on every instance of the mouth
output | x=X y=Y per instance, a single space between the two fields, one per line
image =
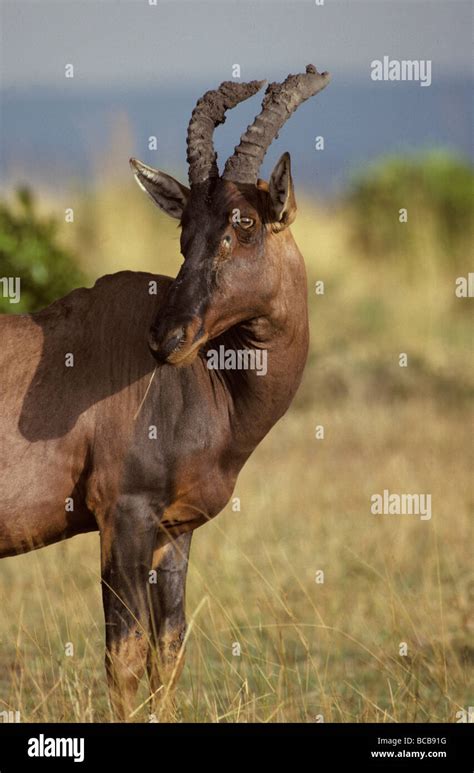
x=183 y=354
x=180 y=346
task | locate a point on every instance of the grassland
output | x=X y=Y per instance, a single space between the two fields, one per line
x=309 y=651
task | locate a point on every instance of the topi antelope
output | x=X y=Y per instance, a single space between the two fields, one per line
x=110 y=419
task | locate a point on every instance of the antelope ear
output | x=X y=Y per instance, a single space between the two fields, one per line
x=164 y=190
x=282 y=194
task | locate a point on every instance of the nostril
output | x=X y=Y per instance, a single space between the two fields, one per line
x=153 y=343
x=173 y=339
x=163 y=344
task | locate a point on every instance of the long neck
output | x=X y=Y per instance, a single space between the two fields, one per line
x=257 y=399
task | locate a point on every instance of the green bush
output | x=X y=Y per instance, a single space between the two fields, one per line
x=29 y=249
x=436 y=189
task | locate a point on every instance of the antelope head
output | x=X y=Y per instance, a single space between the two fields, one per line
x=234 y=227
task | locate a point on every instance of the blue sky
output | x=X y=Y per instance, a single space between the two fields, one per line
x=176 y=42
x=145 y=66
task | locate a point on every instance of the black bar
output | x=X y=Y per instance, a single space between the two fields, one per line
x=445 y=746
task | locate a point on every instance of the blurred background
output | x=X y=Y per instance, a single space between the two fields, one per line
x=309 y=650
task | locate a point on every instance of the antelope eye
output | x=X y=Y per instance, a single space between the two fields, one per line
x=246 y=222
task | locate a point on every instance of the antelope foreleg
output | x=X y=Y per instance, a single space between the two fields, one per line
x=127 y=551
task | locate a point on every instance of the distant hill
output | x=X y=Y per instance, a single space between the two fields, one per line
x=58 y=136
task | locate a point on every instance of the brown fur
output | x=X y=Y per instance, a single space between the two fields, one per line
x=148 y=448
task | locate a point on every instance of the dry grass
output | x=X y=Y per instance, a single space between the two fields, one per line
x=308 y=650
